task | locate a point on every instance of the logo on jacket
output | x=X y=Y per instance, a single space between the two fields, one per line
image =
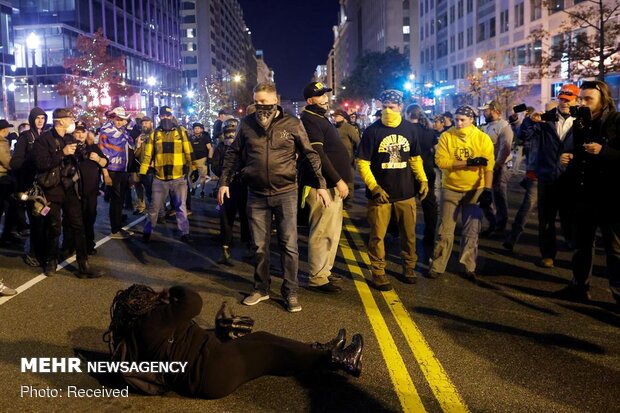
x=394 y=145
x=462 y=154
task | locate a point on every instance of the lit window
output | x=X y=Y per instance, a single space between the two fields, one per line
x=190 y=33
x=406 y=29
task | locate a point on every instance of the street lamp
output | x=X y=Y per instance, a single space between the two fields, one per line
x=32 y=43
x=190 y=94
x=151 y=81
x=478 y=64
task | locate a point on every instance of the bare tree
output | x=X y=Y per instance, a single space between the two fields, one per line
x=587 y=44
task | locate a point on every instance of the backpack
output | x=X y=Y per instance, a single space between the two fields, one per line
x=147 y=383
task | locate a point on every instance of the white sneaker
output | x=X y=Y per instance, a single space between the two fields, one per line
x=6 y=291
x=255 y=298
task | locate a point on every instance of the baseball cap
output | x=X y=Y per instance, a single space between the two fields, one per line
x=5 y=124
x=315 y=89
x=341 y=113
x=80 y=125
x=492 y=105
x=198 y=124
x=165 y=110
x=569 y=92
x=119 y=112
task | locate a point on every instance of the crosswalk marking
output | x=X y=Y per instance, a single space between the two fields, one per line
x=442 y=387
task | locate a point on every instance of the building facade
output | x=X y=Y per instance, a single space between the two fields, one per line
x=146 y=32
x=216 y=42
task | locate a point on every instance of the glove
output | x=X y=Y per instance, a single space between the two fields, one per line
x=380 y=196
x=229 y=326
x=485 y=199
x=480 y=161
x=423 y=190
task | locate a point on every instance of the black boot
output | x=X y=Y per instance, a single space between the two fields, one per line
x=225 y=257
x=349 y=359
x=50 y=268
x=336 y=343
x=86 y=271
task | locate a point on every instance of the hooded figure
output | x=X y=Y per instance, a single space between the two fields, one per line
x=22 y=162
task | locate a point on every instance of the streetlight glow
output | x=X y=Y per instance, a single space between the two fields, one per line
x=33 y=41
x=408 y=85
x=190 y=94
x=11 y=87
x=237 y=78
x=478 y=63
x=412 y=76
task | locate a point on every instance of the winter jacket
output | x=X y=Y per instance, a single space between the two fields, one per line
x=48 y=154
x=266 y=159
x=22 y=162
x=545 y=148
x=596 y=176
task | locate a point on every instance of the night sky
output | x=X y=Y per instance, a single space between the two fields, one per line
x=295 y=36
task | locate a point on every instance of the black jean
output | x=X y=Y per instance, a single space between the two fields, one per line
x=88 y=205
x=37 y=242
x=553 y=199
x=227 y=365
x=590 y=214
x=237 y=203
x=118 y=191
x=71 y=208
x=430 y=209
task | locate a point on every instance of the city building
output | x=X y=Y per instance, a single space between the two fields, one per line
x=217 y=43
x=371 y=26
x=263 y=72
x=455 y=33
x=7 y=58
x=146 y=32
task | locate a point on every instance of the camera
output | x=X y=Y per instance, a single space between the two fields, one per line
x=550 y=116
x=519 y=108
x=581 y=113
x=40 y=205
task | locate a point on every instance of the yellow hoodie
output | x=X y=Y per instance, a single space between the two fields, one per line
x=460 y=145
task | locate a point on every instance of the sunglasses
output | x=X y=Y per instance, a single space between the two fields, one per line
x=566 y=93
x=590 y=84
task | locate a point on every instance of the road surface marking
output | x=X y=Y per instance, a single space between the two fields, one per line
x=442 y=387
x=403 y=384
x=63 y=264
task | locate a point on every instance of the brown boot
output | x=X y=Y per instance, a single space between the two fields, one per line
x=381 y=282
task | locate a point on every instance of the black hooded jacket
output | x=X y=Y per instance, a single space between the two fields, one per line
x=22 y=161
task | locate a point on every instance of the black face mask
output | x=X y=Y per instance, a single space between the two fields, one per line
x=167 y=124
x=339 y=123
x=265 y=114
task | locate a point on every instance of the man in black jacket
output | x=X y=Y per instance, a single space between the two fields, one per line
x=265 y=151
x=594 y=166
x=325 y=222
x=89 y=160
x=25 y=169
x=54 y=157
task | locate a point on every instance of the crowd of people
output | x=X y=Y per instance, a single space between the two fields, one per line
x=270 y=165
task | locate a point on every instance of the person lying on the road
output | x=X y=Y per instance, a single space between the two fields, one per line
x=158 y=327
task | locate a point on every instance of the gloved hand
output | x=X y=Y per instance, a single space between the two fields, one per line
x=485 y=199
x=380 y=196
x=479 y=161
x=423 y=190
x=228 y=325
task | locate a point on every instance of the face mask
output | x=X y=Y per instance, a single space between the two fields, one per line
x=265 y=114
x=488 y=119
x=167 y=124
x=463 y=132
x=324 y=105
x=390 y=118
x=71 y=128
x=339 y=124
x=229 y=139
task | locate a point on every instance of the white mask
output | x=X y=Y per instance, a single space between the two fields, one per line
x=71 y=127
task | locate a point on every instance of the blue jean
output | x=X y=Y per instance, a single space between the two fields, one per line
x=498 y=216
x=284 y=208
x=530 y=199
x=178 y=193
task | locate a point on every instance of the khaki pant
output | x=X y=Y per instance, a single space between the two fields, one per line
x=471 y=216
x=203 y=173
x=379 y=218
x=325 y=229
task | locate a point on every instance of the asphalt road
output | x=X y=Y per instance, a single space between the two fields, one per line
x=502 y=345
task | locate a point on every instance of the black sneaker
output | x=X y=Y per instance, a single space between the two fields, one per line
x=328 y=288
x=187 y=239
x=146 y=237
x=573 y=293
x=471 y=276
x=488 y=232
x=508 y=245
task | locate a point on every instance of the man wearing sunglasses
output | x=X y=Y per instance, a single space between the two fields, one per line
x=594 y=165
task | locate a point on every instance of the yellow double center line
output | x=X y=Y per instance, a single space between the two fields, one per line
x=438 y=380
